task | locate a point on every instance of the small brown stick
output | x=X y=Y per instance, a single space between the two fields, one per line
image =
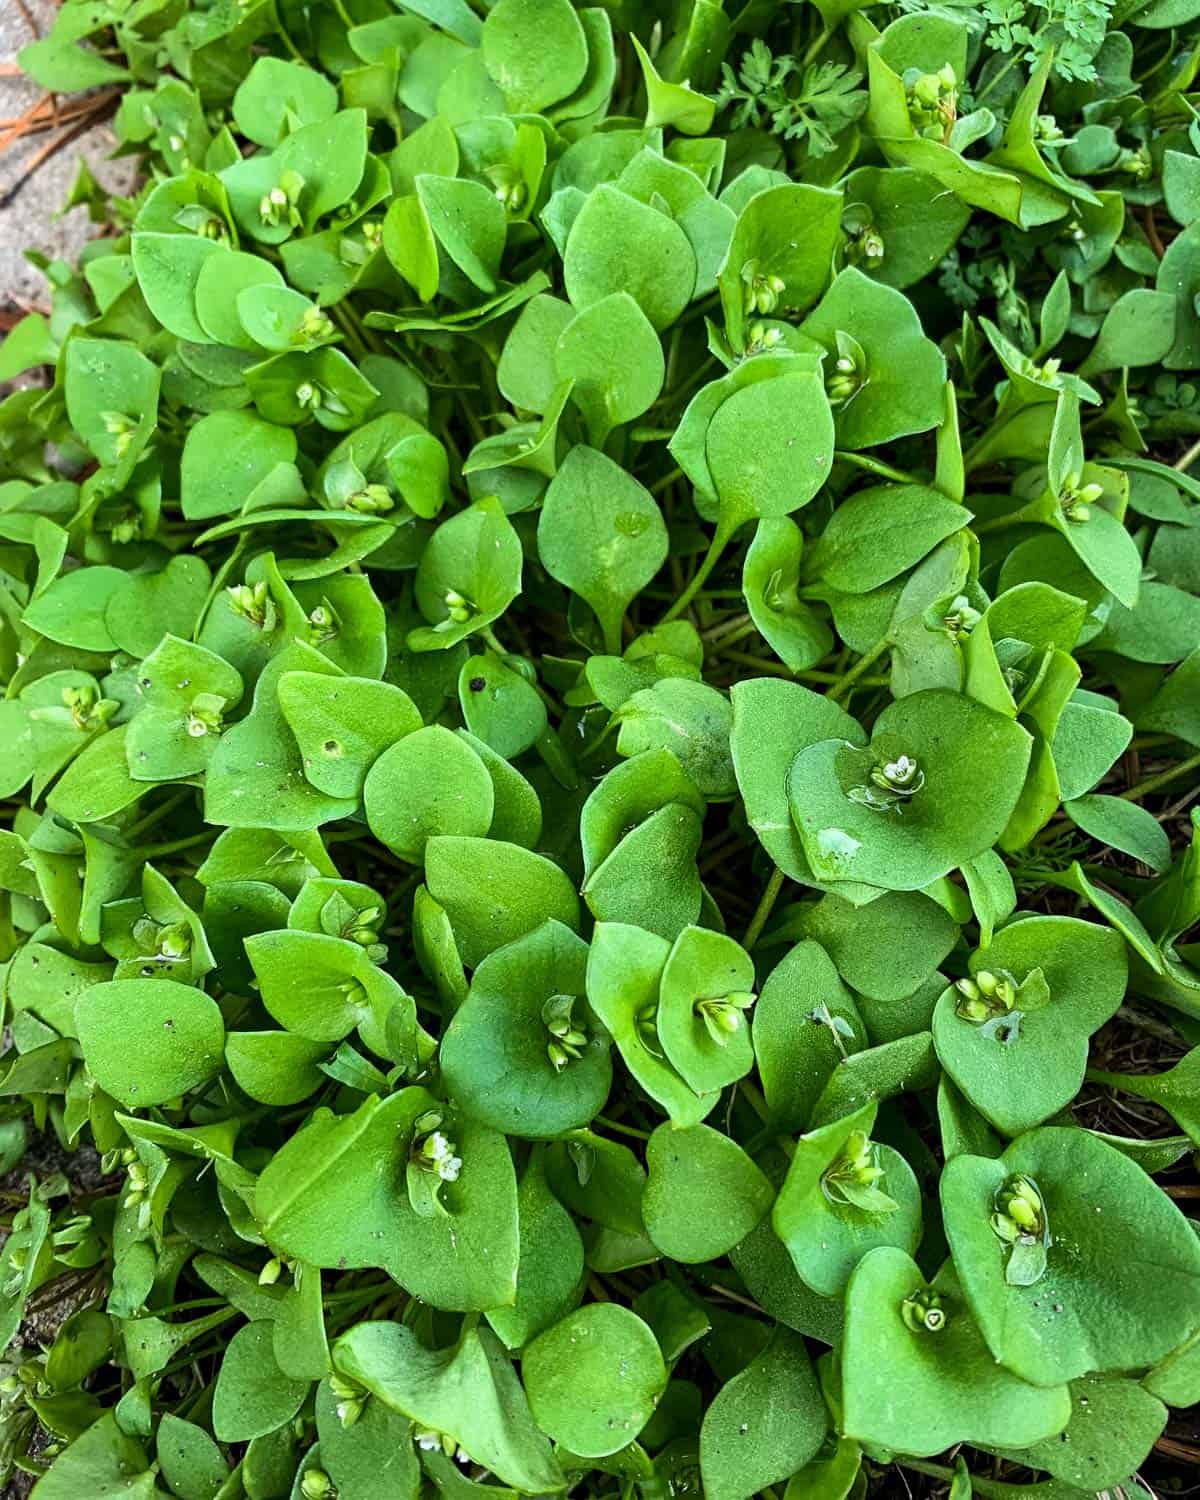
x=46 y=115
x=1151 y=228
x=28 y=17
x=40 y=157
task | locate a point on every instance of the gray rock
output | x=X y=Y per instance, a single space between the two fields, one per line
x=30 y=220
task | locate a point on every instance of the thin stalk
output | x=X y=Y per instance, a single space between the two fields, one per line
x=763 y=910
x=1164 y=778
x=875 y=466
x=847 y=681
x=700 y=576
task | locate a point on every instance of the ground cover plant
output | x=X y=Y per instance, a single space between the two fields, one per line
x=601 y=617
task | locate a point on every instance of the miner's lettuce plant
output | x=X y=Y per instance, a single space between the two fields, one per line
x=599 y=609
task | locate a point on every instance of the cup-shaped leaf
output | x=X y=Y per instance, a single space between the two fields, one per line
x=917 y=1375
x=706 y=987
x=612 y=355
x=843 y=1196
x=617 y=244
x=551 y=1266
x=515 y=1059
x=785 y=237
x=770 y=574
x=625 y=964
x=336 y=1195
x=935 y=788
x=469 y=573
x=895 y=387
x=1122 y=1274
x=1021 y=1059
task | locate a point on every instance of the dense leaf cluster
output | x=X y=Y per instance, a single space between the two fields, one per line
x=601 y=619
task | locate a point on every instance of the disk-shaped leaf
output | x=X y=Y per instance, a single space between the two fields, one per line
x=881 y=532
x=973 y=761
x=594 y=1379
x=825 y=1233
x=1114 y=1424
x=1122 y=1276
x=373 y=1456
x=275 y=1067
x=147 y=1041
x=551 y=1265
x=651 y=878
x=1029 y=1065
x=430 y=782
x=700 y=1165
x=923 y=1389
x=334 y=1195
x=495 y=1054
x=772 y=721
x=691 y=720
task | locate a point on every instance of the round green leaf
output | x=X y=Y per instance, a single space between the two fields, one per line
x=593 y=1380
x=1025 y=1064
x=920 y=1390
x=701 y=1166
x=430 y=782
x=147 y=1041
x=826 y=1233
x=973 y=761
x=496 y=1053
x=1122 y=1278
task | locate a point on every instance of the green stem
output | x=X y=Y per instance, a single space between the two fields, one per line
x=156 y=816
x=159 y=851
x=641 y=1135
x=1164 y=778
x=763 y=910
x=816 y=46
x=875 y=466
x=848 y=679
x=1185 y=463
x=1128 y=1083
x=700 y=576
